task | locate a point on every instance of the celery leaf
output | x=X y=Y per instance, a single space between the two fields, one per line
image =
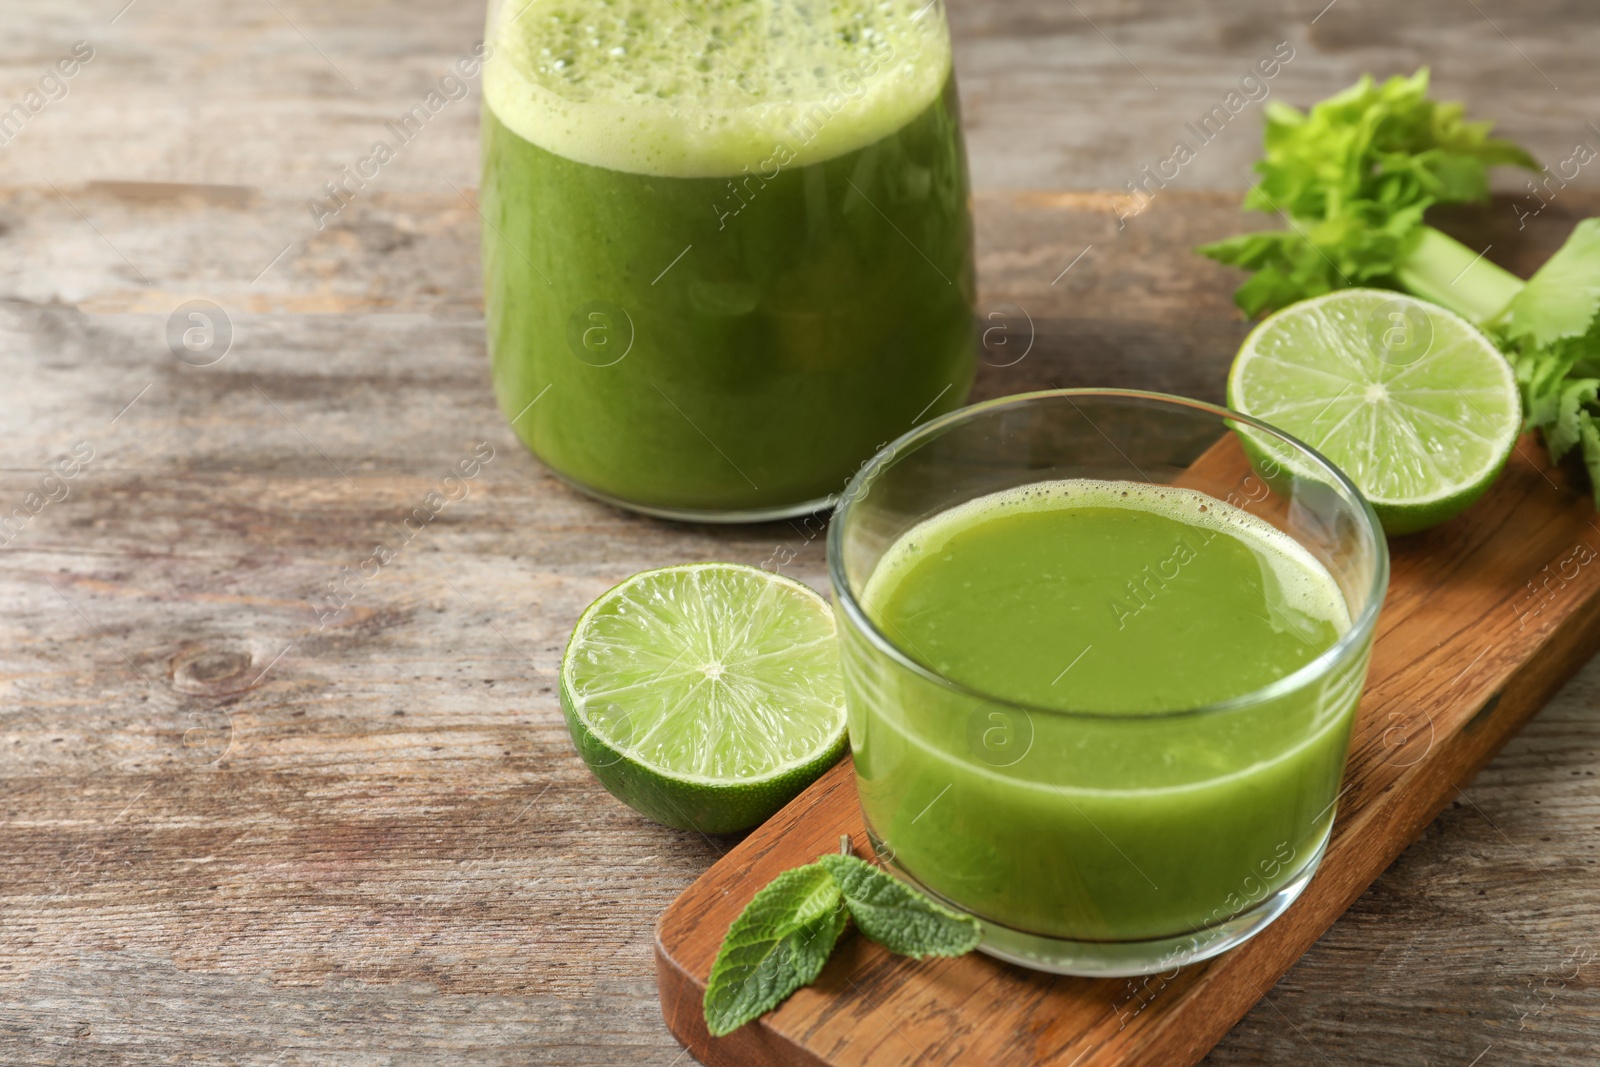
x=1561 y=299
x=1352 y=178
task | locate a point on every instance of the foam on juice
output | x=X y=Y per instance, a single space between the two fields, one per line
x=1304 y=584
x=706 y=88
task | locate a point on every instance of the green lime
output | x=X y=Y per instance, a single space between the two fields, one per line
x=706 y=696
x=1407 y=398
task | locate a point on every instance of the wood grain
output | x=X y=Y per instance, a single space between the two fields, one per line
x=1458 y=595
x=1054 y=96
x=348 y=885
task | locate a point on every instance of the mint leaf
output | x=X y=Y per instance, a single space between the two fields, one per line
x=777 y=944
x=898 y=917
x=784 y=936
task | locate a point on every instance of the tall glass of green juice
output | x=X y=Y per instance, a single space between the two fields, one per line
x=1102 y=654
x=727 y=245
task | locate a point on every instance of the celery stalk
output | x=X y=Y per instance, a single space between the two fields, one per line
x=1357 y=174
x=1441 y=269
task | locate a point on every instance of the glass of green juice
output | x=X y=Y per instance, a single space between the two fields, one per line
x=1102 y=652
x=727 y=244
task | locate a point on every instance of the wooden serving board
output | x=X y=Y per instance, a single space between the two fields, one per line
x=1486 y=617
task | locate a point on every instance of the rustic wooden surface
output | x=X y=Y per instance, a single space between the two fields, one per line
x=234 y=837
x=1457 y=596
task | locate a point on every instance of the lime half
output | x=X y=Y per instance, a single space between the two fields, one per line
x=706 y=696
x=1409 y=399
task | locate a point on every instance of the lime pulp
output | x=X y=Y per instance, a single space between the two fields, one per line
x=707 y=695
x=1409 y=399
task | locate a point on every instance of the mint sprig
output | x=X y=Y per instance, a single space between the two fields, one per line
x=898 y=917
x=784 y=936
x=777 y=944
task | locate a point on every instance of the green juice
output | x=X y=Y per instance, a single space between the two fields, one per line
x=1120 y=606
x=727 y=248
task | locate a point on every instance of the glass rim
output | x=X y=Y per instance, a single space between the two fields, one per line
x=1360 y=627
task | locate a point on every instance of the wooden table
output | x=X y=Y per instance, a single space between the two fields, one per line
x=236 y=833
